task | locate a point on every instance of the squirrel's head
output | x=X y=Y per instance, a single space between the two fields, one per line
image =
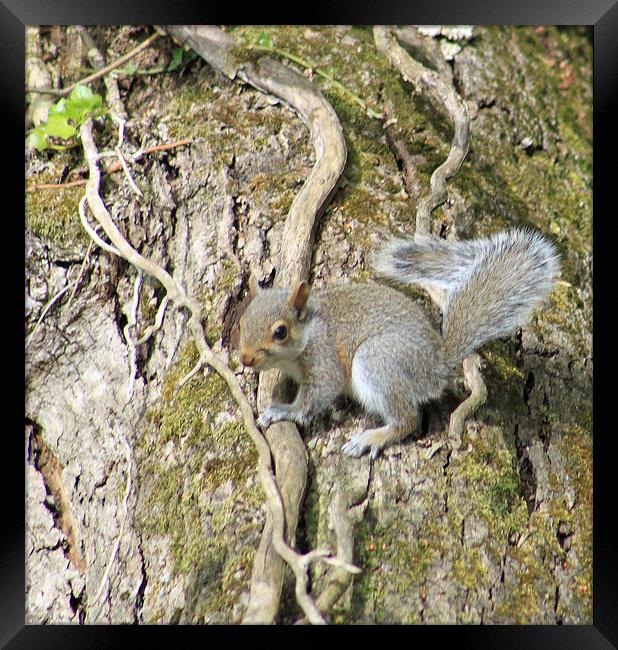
x=272 y=329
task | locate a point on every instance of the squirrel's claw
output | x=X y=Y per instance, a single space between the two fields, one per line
x=272 y=414
x=267 y=418
x=359 y=444
x=351 y=448
x=263 y=422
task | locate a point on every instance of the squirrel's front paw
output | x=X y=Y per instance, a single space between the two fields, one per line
x=272 y=414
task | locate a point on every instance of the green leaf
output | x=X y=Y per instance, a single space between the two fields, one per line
x=81 y=102
x=37 y=139
x=176 y=59
x=83 y=95
x=264 y=41
x=58 y=108
x=58 y=126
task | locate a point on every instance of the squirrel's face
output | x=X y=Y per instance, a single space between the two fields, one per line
x=272 y=329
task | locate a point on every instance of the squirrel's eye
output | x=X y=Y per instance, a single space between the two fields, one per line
x=280 y=333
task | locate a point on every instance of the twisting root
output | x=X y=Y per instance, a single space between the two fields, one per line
x=473 y=381
x=341 y=578
x=188 y=377
x=432 y=85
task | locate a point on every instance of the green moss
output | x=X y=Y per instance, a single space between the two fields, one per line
x=566 y=311
x=218 y=581
x=390 y=564
x=553 y=184
x=315 y=519
x=363 y=206
x=185 y=453
x=195 y=111
x=482 y=486
x=470 y=571
x=53 y=213
x=277 y=189
x=576 y=446
x=532 y=584
x=504 y=367
x=338 y=51
x=488 y=486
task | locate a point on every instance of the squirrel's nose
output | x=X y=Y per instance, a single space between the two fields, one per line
x=246 y=358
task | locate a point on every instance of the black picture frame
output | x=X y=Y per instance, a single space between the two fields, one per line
x=602 y=15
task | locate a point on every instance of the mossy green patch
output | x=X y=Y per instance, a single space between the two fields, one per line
x=338 y=51
x=53 y=213
x=552 y=182
x=195 y=111
x=576 y=445
x=362 y=205
x=533 y=560
x=504 y=377
x=277 y=189
x=488 y=486
x=566 y=311
x=198 y=465
x=390 y=563
x=504 y=367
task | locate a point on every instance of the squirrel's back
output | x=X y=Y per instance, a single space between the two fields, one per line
x=367 y=309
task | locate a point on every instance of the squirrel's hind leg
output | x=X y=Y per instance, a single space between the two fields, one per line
x=382 y=390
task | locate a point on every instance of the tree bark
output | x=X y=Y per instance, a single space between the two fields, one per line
x=498 y=531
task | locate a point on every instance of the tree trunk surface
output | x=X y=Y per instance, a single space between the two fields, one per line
x=143 y=505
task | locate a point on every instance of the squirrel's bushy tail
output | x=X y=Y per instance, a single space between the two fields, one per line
x=491 y=284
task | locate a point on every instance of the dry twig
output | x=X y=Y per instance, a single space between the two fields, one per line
x=112 y=169
x=445 y=97
x=63 y=92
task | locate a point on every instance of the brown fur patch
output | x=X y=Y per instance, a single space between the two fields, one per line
x=346 y=362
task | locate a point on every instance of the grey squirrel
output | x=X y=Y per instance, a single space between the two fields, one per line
x=377 y=345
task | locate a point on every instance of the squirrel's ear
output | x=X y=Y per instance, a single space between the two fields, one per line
x=254 y=287
x=298 y=298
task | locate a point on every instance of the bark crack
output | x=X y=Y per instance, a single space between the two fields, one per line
x=141 y=590
x=58 y=501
